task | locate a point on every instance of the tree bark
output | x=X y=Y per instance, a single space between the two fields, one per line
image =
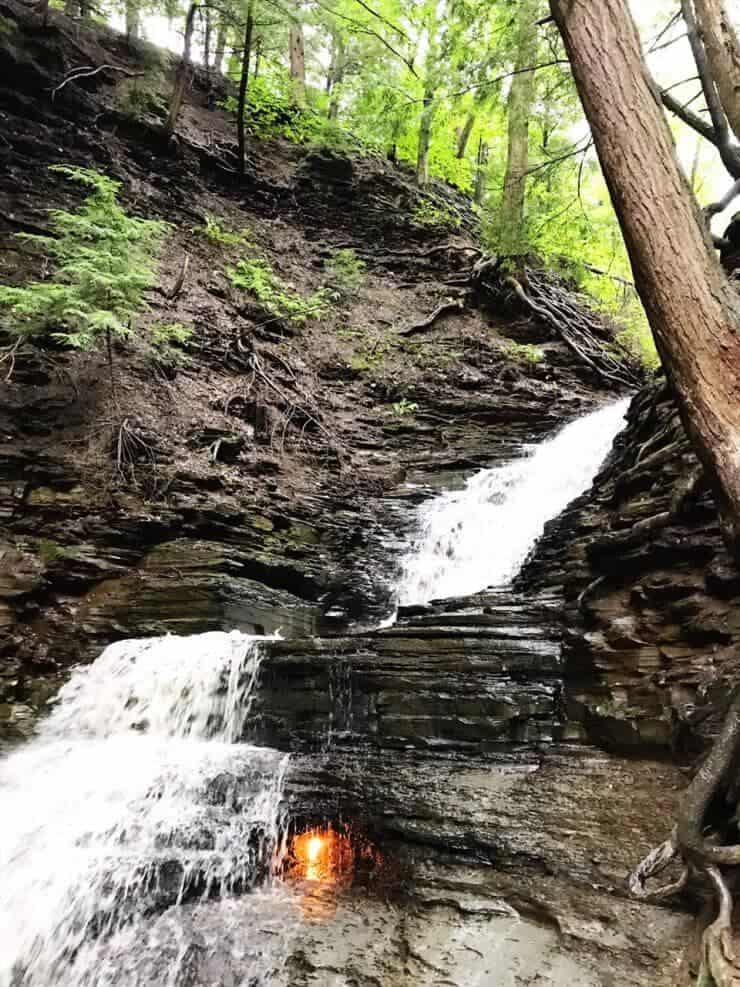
x=425 y=137
x=207 y=43
x=243 y=87
x=335 y=76
x=481 y=168
x=183 y=71
x=297 y=62
x=133 y=20
x=723 y=54
x=521 y=94
x=467 y=129
x=693 y=312
x=218 y=57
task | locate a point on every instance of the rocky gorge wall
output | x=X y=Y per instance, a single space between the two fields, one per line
x=651 y=615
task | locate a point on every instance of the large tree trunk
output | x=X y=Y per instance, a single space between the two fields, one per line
x=297 y=62
x=218 y=56
x=464 y=137
x=425 y=137
x=207 y=43
x=693 y=311
x=723 y=53
x=133 y=20
x=183 y=71
x=521 y=94
x=243 y=86
x=335 y=76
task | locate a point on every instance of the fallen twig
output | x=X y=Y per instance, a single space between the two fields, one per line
x=178 y=285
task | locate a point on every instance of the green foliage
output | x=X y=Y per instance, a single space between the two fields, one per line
x=372 y=355
x=345 y=273
x=429 y=213
x=638 y=340
x=257 y=277
x=140 y=97
x=404 y=407
x=104 y=260
x=50 y=551
x=221 y=235
x=168 y=340
x=524 y=353
x=271 y=111
x=8 y=27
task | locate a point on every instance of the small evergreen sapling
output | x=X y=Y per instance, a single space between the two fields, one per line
x=104 y=260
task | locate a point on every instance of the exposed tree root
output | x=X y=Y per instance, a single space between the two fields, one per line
x=701 y=854
x=429 y=321
x=683 y=493
x=575 y=326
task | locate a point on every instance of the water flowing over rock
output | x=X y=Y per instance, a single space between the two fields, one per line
x=169 y=826
x=479 y=536
x=132 y=798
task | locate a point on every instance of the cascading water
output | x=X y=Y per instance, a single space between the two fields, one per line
x=137 y=795
x=479 y=536
x=136 y=818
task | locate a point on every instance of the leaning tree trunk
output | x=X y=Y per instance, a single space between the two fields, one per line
x=425 y=137
x=521 y=94
x=695 y=318
x=693 y=311
x=481 y=170
x=183 y=71
x=466 y=131
x=243 y=87
x=723 y=53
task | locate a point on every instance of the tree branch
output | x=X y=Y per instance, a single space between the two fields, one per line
x=86 y=71
x=363 y=29
x=720 y=126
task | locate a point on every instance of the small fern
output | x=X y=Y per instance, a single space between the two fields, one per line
x=257 y=277
x=104 y=260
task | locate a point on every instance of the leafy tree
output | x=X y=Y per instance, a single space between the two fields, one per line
x=104 y=260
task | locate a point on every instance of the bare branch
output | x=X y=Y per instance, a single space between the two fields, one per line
x=723 y=203
x=390 y=24
x=364 y=29
x=86 y=71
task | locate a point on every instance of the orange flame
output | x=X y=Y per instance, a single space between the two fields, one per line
x=322 y=855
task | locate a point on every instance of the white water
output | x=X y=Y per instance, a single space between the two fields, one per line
x=136 y=794
x=138 y=799
x=479 y=536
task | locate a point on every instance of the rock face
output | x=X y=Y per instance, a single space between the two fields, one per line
x=652 y=617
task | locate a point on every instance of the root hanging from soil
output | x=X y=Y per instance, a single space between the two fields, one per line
x=577 y=326
x=703 y=853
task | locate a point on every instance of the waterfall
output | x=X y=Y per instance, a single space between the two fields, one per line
x=136 y=795
x=134 y=820
x=478 y=537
